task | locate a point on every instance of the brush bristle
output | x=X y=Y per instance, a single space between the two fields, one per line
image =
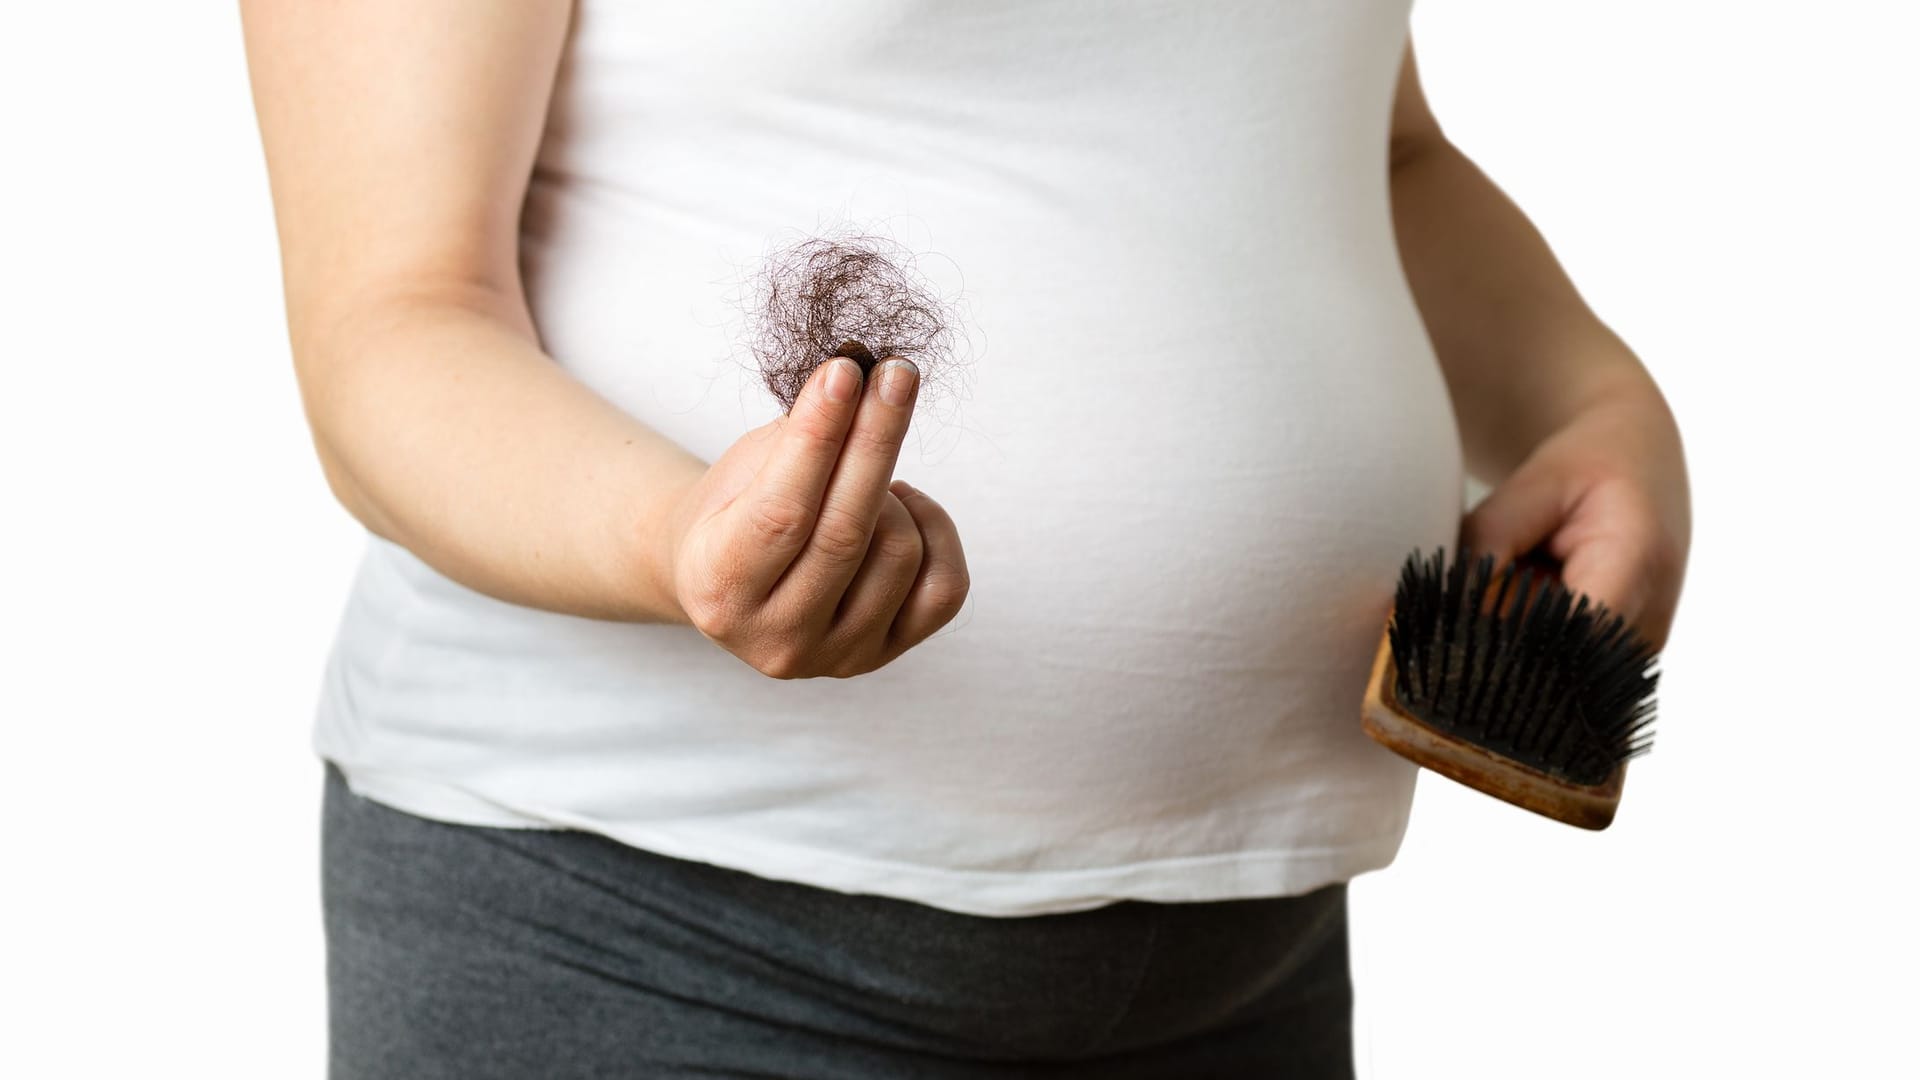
x=1532 y=674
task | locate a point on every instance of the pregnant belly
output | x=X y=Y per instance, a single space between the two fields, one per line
x=1179 y=572
x=1227 y=511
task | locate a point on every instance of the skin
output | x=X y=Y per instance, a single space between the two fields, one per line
x=1557 y=415
x=399 y=140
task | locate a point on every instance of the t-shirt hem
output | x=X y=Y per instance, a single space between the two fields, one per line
x=995 y=893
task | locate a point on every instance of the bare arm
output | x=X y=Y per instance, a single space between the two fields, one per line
x=1521 y=350
x=1556 y=413
x=399 y=139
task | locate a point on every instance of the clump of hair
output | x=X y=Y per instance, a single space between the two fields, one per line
x=848 y=294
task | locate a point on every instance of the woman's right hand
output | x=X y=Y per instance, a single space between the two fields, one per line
x=794 y=553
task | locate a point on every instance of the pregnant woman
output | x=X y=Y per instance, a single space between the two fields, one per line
x=671 y=733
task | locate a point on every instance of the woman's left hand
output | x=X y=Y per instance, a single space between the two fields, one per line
x=1607 y=495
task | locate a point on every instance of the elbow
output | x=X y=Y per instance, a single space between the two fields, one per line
x=317 y=361
x=348 y=492
x=359 y=352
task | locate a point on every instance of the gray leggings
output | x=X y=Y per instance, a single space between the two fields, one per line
x=473 y=952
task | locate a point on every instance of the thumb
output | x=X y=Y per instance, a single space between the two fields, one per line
x=1519 y=514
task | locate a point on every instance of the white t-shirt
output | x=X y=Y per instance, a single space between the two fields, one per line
x=1199 y=428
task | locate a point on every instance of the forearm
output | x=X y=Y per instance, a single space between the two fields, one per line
x=1520 y=349
x=444 y=428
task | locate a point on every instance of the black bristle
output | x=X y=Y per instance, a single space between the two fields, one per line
x=1473 y=628
x=1553 y=680
x=1431 y=608
x=1502 y=687
x=1450 y=605
x=1475 y=708
x=1539 y=652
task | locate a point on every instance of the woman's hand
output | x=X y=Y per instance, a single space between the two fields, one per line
x=1606 y=494
x=795 y=554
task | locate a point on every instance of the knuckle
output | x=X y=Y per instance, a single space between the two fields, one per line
x=711 y=608
x=839 y=536
x=779 y=519
x=777 y=670
x=899 y=545
x=819 y=428
x=851 y=669
x=871 y=439
x=783 y=664
x=710 y=618
x=946 y=589
x=854 y=658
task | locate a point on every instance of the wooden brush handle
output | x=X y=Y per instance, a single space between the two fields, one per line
x=1587 y=806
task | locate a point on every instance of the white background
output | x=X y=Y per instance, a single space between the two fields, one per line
x=1731 y=184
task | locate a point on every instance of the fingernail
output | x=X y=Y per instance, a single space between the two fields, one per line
x=843 y=382
x=896 y=381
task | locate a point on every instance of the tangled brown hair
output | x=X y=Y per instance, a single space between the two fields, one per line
x=849 y=294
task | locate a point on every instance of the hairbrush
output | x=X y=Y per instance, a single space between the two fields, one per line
x=1510 y=684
